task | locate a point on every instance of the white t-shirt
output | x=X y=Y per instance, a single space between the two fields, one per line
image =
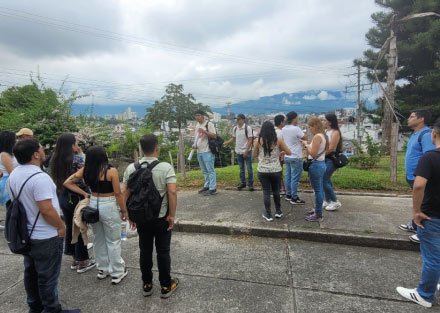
x=38 y=188
x=240 y=138
x=3 y=168
x=279 y=132
x=202 y=141
x=292 y=137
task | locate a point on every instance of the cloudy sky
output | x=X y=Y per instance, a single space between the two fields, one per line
x=125 y=52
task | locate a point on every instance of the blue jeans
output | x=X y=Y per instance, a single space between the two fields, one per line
x=430 y=250
x=316 y=174
x=293 y=176
x=329 y=193
x=248 y=160
x=42 y=267
x=206 y=162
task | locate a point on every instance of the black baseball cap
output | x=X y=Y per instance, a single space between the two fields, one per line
x=240 y=117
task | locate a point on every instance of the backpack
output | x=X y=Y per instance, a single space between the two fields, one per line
x=144 y=202
x=16 y=232
x=419 y=139
x=215 y=145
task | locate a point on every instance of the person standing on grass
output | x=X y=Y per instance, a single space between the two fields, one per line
x=63 y=164
x=316 y=150
x=42 y=264
x=292 y=136
x=280 y=122
x=426 y=215
x=243 y=136
x=419 y=143
x=331 y=202
x=268 y=148
x=205 y=130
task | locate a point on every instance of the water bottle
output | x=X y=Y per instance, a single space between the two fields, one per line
x=124 y=230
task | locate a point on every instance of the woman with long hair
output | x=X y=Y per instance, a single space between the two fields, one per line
x=316 y=152
x=7 y=162
x=62 y=165
x=103 y=180
x=268 y=148
x=333 y=133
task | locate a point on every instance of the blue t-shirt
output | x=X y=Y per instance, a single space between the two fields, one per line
x=414 y=151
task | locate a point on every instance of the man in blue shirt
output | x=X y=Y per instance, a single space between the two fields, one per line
x=419 y=143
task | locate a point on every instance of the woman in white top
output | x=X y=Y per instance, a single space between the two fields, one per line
x=316 y=150
x=7 y=162
x=267 y=147
x=331 y=202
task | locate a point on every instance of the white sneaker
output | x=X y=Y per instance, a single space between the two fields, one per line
x=333 y=206
x=325 y=204
x=413 y=295
x=89 y=245
x=102 y=274
x=414 y=238
x=118 y=279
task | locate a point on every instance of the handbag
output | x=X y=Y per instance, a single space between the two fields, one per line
x=339 y=159
x=307 y=163
x=90 y=215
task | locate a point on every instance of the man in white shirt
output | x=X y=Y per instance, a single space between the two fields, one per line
x=243 y=136
x=205 y=130
x=280 y=122
x=42 y=263
x=292 y=136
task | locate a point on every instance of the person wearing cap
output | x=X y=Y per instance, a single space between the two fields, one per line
x=24 y=133
x=243 y=136
x=205 y=130
x=292 y=136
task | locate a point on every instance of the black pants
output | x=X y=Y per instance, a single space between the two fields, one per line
x=271 y=184
x=68 y=202
x=155 y=231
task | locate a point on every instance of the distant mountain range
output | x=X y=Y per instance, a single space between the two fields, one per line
x=311 y=101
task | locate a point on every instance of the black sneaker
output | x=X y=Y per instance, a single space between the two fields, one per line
x=297 y=201
x=210 y=192
x=241 y=186
x=408 y=227
x=288 y=198
x=166 y=292
x=148 y=290
x=251 y=188
x=203 y=190
x=278 y=214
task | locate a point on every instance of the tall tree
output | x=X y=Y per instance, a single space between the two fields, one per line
x=177 y=108
x=45 y=111
x=418 y=46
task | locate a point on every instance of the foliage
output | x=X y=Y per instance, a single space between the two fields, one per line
x=175 y=107
x=35 y=106
x=418 y=46
x=369 y=153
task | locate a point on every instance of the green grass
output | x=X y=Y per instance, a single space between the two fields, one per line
x=348 y=177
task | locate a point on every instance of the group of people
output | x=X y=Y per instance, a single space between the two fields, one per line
x=278 y=143
x=77 y=180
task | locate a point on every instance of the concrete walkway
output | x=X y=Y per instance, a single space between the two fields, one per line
x=362 y=220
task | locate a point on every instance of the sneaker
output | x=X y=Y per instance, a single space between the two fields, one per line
x=117 y=280
x=71 y=311
x=267 y=217
x=408 y=227
x=288 y=198
x=297 y=201
x=333 y=206
x=251 y=188
x=203 y=190
x=148 y=290
x=102 y=274
x=2 y=227
x=414 y=296
x=282 y=192
x=241 y=186
x=166 y=292
x=89 y=245
x=414 y=238
x=278 y=214
x=313 y=218
x=310 y=212
x=84 y=268
x=74 y=265
x=325 y=203
x=210 y=192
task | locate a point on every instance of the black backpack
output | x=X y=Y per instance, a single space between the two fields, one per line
x=144 y=202
x=16 y=232
x=215 y=145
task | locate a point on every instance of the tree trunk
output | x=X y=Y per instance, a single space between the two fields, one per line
x=182 y=155
x=391 y=85
x=393 y=155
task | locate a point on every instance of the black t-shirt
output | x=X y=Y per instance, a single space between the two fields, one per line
x=429 y=168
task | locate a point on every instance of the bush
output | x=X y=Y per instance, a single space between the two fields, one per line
x=369 y=154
